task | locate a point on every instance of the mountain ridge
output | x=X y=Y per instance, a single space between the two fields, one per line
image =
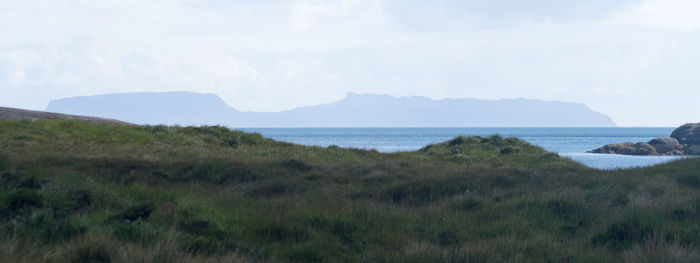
x=354 y=110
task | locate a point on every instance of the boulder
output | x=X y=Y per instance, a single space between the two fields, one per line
x=688 y=134
x=667 y=146
x=692 y=150
x=627 y=148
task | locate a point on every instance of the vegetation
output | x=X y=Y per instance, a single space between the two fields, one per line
x=72 y=191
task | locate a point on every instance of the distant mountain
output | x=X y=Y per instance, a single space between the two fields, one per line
x=355 y=110
x=184 y=108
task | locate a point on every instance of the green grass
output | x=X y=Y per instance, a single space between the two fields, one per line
x=77 y=192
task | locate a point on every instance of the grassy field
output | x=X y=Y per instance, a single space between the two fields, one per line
x=78 y=192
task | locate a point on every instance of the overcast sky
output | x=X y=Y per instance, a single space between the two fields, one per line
x=637 y=61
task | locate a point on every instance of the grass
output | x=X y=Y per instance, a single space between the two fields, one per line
x=78 y=192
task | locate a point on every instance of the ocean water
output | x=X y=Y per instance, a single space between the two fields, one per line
x=569 y=142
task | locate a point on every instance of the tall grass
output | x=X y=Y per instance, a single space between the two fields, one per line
x=74 y=191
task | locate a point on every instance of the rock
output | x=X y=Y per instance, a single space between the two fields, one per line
x=692 y=150
x=667 y=146
x=627 y=148
x=683 y=141
x=688 y=134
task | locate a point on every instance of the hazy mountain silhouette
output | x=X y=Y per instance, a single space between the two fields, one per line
x=355 y=110
x=184 y=108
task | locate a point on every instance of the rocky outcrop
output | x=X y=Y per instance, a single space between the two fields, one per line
x=667 y=146
x=683 y=141
x=688 y=134
x=627 y=148
x=20 y=114
x=692 y=150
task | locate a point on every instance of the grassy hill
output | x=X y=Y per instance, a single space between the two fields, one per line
x=21 y=114
x=73 y=191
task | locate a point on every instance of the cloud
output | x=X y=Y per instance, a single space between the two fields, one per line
x=457 y=15
x=278 y=54
x=602 y=90
x=667 y=14
x=341 y=15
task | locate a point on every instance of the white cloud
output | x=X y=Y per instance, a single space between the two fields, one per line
x=603 y=90
x=339 y=16
x=668 y=14
x=19 y=61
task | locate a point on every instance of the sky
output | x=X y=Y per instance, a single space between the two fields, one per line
x=634 y=60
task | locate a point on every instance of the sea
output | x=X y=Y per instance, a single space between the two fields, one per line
x=569 y=142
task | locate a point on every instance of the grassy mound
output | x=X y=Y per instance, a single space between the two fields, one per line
x=75 y=191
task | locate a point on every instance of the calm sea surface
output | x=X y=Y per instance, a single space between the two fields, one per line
x=569 y=142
